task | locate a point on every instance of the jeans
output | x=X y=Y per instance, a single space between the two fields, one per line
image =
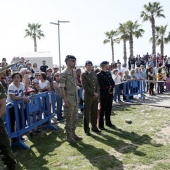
x=159 y=87
x=117 y=92
x=59 y=105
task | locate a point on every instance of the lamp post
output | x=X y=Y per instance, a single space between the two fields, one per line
x=58 y=23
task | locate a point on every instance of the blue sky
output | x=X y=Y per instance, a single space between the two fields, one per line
x=83 y=36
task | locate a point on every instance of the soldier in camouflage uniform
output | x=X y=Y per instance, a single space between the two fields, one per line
x=8 y=156
x=69 y=93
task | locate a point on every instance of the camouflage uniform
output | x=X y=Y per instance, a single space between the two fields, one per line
x=68 y=82
x=8 y=156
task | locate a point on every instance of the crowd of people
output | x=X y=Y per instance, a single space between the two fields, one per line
x=100 y=85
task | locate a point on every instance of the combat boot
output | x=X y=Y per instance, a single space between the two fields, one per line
x=75 y=137
x=11 y=167
x=70 y=139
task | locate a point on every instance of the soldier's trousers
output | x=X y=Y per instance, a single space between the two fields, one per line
x=106 y=100
x=70 y=116
x=8 y=156
x=90 y=113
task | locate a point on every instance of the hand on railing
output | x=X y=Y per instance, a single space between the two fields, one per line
x=26 y=99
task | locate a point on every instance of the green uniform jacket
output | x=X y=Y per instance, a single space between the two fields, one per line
x=90 y=84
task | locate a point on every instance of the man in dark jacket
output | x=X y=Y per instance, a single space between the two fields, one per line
x=106 y=95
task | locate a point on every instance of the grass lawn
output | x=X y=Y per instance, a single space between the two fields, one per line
x=142 y=145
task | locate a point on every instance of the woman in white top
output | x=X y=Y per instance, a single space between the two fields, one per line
x=35 y=68
x=117 y=80
x=44 y=84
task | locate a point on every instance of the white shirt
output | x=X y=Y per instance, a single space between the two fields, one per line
x=155 y=70
x=43 y=84
x=116 y=79
x=12 y=89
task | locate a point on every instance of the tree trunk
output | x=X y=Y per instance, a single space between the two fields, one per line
x=153 y=36
x=35 y=44
x=131 y=45
x=162 y=48
x=112 y=46
x=125 y=53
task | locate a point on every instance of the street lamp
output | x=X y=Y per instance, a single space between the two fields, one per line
x=59 y=38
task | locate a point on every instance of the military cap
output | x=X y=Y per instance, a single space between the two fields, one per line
x=88 y=62
x=71 y=57
x=104 y=62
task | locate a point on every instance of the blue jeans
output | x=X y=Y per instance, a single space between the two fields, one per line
x=160 y=87
x=59 y=105
x=117 y=92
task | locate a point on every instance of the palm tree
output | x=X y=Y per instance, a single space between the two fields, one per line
x=34 y=32
x=110 y=38
x=123 y=36
x=133 y=30
x=160 y=37
x=151 y=11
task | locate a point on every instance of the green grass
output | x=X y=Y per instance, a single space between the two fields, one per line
x=137 y=146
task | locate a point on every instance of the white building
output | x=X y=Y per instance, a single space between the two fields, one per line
x=38 y=57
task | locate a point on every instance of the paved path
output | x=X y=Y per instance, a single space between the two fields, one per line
x=160 y=100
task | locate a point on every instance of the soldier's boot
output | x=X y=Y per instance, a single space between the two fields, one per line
x=75 y=137
x=70 y=139
x=11 y=167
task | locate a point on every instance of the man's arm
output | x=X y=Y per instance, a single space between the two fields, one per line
x=2 y=101
x=2 y=107
x=62 y=86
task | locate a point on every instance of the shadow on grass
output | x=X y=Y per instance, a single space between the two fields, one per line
x=133 y=137
x=98 y=157
x=41 y=146
x=118 y=145
x=122 y=146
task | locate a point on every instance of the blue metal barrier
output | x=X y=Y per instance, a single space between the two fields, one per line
x=38 y=106
x=134 y=87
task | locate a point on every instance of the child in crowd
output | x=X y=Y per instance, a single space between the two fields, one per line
x=35 y=85
x=117 y=80
x=58 y=96
x=31 y=92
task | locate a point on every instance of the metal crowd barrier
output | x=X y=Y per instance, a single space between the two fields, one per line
x=30 y=115
x=134 y=87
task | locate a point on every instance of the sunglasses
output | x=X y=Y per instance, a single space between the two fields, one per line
x=37 y=75
x=49 y=71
